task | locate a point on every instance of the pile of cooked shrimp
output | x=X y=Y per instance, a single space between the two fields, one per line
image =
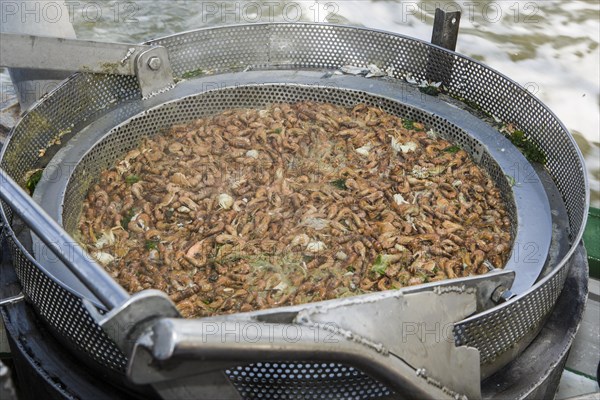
x=295 y=203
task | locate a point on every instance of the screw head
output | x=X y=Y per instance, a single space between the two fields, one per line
x=154 y=63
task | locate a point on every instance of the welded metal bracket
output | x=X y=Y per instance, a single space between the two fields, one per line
x=153 y=71
x=417 y=328
x=150 y=64
x=371 y=336
x=404 y=338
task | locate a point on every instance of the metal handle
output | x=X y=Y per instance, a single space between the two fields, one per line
x=176 y=355
x=94 y=277
x=385 y=334
x=149 y=63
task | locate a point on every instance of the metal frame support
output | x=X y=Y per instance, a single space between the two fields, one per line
x=445 y=34
x=445 y=29
x=150 y=64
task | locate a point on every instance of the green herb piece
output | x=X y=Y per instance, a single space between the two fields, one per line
x=408 y=124
x=518 y=138
x=193 y=74
x=380 y=265
x=33 y=180
x=277 y=131
x=340 y=184
x=151 y=245
x=529 y=150
x=430 y=90
x=350 y=268
x=468 y=102
x=127 y=218
x=452 y=149
x=511 y=181
x=230 y=258
x=471 y=104
x=131 y=179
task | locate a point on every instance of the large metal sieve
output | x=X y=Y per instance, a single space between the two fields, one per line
x=251 y=66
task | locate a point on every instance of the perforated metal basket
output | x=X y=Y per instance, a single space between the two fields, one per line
x=251 y=66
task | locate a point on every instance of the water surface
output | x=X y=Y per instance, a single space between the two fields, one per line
x=550 y=47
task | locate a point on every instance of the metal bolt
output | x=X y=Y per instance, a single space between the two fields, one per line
x=154 y=63
x=502 y=295
x=12 y=300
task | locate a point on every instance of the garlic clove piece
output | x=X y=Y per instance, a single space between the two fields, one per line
x=408 y=147
x=364 y=150
x=399 y=199
x=103 y=258
x=252 y=154
x=301 y=239
x=315 y=247
x=107 y=239
x=225 y=201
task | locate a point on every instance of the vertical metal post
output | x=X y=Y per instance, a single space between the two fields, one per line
x=445 y=29
x=445 y=34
